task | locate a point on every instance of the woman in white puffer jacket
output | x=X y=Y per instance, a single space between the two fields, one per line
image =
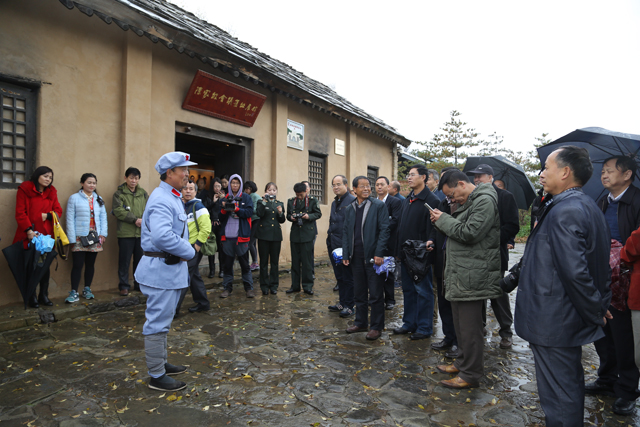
x=85 y=214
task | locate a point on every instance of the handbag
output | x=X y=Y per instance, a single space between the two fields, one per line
x=89 y=239
x=59 y=236
x=209 y=247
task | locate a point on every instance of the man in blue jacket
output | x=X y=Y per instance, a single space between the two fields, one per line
x=344 y=278
x=364 y=238
x=563 y=293
x=162 y=271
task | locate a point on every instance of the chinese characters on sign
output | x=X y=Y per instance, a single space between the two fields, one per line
x=219 y=98
x=295 y=135
x=340 y=147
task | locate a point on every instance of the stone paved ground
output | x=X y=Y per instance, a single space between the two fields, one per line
x=270 y=361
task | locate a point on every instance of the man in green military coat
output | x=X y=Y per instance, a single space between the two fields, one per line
x=302 y=211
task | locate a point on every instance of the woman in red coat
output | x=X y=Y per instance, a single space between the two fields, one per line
x=35 y=201
x=630 y=254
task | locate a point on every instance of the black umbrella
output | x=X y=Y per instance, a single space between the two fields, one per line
x=601 y=144
x=28 y=266
x=514 y=177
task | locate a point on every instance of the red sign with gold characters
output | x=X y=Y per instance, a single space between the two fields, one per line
x=219 y=98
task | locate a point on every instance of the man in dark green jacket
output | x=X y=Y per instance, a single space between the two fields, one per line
x=364 y=238
x=129 y=202
x=302 y=211
x=472 y=271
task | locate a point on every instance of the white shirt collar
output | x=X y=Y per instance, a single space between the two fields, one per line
x=617 y=199
x=385 y=198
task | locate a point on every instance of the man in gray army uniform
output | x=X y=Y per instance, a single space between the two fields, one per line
x=163 y=272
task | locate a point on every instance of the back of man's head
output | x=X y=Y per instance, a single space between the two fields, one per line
x=300 y=187
x=578 y=160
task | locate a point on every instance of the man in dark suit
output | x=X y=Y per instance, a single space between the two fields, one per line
x=563 y=293
x=509 y=227
x=394 y=206
x=344 y=278
x=302 y=211
x=618 y=374
x=364 y=237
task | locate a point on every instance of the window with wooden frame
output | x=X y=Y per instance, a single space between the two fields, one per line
x=372 y=174
x=317 y=165
x=17 y=134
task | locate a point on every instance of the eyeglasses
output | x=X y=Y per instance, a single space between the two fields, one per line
x=336 y=185
x=364 y=187
x=411 y=175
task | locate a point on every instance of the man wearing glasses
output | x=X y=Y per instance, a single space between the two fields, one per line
x=415 y=224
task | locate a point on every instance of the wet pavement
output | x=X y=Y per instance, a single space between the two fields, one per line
x=276 y=360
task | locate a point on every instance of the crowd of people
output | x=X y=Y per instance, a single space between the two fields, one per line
x=448 y=239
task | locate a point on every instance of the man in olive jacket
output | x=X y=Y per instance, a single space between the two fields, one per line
x=302 y=211
x=129 y=202
x=472 y=271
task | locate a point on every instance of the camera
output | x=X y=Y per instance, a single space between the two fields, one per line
x=510 y=281
x=269 y=197
x=228 y=203
x=297 y=216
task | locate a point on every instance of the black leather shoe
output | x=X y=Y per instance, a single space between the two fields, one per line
x=389 y=306
x=273 y=291
x=336 y=288
x=624 y=407
x=452 y=353
x=290 y=290
x=173 y=369
x=166 y=383
x=308 y=292
x=419 y=336
x=595 y=387
x=44 y=300
x=401 y=331
x=441 y=345
x=336 y=308
x=265 y=292
x=197 y=308
x=33 y=302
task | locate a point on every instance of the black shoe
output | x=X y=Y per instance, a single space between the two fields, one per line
x=389 y=306
x=44 y=300
x=197 y=308
x=33 y=301
x=308 y=292
x=346 y=312
x=452 y=353
x=212 y=274
x=336 y=288
x=401 y=331
x=274 y=291
x=624 y=407
x=595 y=387
x=291 y=290
x=173 y=369
x=418 y=336
x=441 y=345
x=177 y=315
x=265 y=292
x=166 y=383
x=336 y=308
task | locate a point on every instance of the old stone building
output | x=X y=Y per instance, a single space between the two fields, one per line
x=101 y=85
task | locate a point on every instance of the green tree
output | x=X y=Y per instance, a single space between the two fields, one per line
x=451 y=146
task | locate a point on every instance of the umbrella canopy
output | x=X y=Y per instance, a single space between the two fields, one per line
x=601 y=144
x=28 y=266
x=514 y=177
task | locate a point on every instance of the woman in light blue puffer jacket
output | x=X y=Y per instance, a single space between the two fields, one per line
x=85 y=213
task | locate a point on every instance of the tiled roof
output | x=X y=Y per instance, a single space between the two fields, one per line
x=178 y=29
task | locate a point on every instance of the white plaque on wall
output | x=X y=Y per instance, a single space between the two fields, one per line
x=340 y=150
x=295 y=135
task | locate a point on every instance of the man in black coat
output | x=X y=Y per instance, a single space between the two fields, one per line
x=618 y=374
x=364 y=237
x=394 y=206
x=563 y=293
x=509 y=227
x=415 y=224
x=344 y=278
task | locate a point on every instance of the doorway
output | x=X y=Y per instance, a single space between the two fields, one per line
x=216 y=153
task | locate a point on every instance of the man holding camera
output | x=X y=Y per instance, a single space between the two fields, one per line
x=162 y=272
x=302 y=211
x=235 y=228
x=472 y=269
x=563 y=293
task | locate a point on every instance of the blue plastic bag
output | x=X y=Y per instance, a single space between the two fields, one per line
x=337 y=255
x=387 y=266
x=43 y=242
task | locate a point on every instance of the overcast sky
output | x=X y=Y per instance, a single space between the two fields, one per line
x=512 y=67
